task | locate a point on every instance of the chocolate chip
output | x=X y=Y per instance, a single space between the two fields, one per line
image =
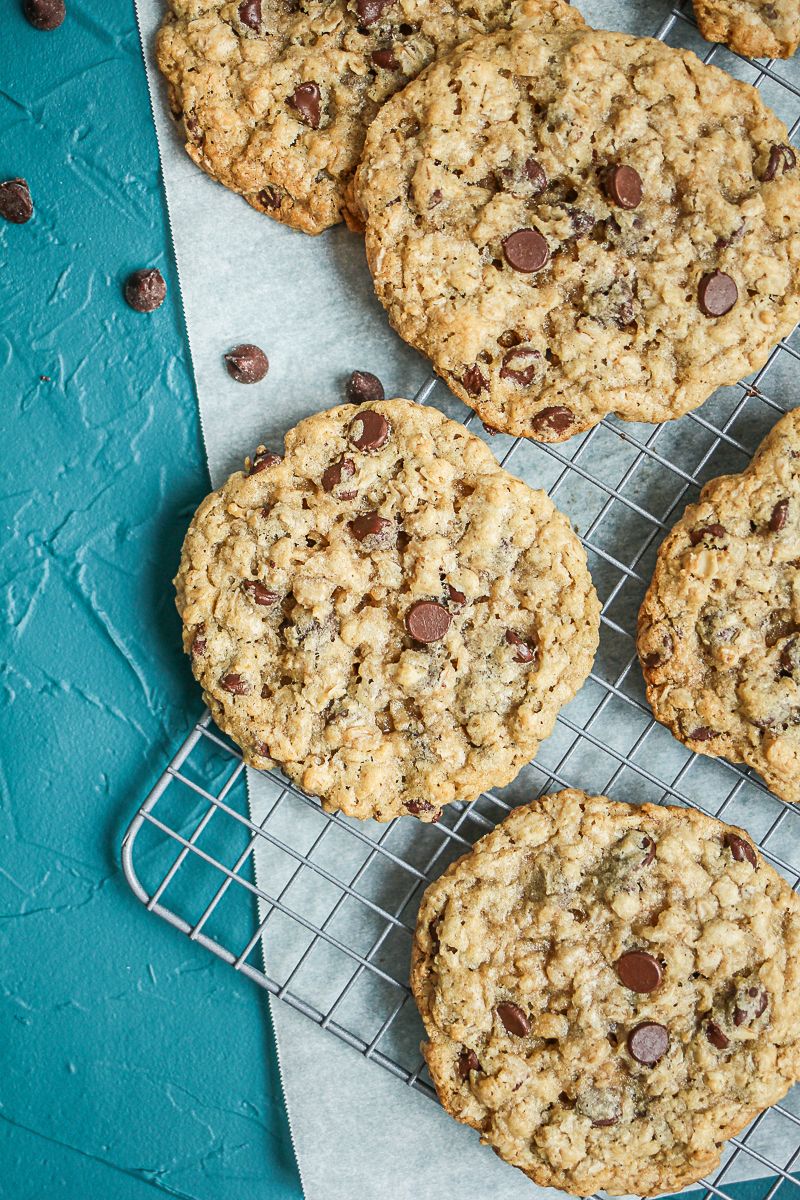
x=364 y=388
x=333 y=475
x=790 y=658
x=526 y=251
x=306 y=100
x=639 y=971
x=741 y=849
x=582 y=221
x=370 y=11
x=536 y=174
x=250 y=14
x=467 y=1061
x=521 y=364
x=369 y=430
x=45 y=14
x=716 y=294
x=781 y=158
x=524 y=652
x=703 y=733
x=387 y=60
x=247 y=363
x=648 y=1042
x=259 y=593
x=435 y=198
x=779 y=514
x=270 y=198
x=415 y=807
x=714 y=531
x=199 y=642
x=623 y=185
x=428 y=621
x=368 y=525
x=145 y=290
x=754 y=1001
x=716 y=1036
x=649 y=847
x=262 y=460
x=556 y=419
x=600 y=1105
x=456 y=597
x=16 y=205
x=474 y=381
x=514 y=1019
x=509 y=338
x=234 y=684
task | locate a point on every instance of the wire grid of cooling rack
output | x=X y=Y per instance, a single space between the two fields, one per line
x=337 y=898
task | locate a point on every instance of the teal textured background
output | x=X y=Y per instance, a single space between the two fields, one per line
x=131 y=1062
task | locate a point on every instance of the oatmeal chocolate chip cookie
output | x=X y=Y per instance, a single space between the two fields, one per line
x=609 y=991
x=276 y=95
x=384 y=612
x=719 y=625
x=752 y=27
x=579 y=223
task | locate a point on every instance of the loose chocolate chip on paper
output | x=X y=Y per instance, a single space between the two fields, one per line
x=247 y=363
x=250 y=14
x=428 y=621
x=526 y=251
x=648 y=1042
x=716 y=1036
x=524 y=652
x=364 y=388
x=741 y=849
x=513 y=1018
x=368 y=525
x=145 y=290
x=16 y=205
x=716 y=294
x=259 y=593
x=779 y=514
x=369 y=430
x=45 y=14
x=306 y=101
x=623 y=185
x=639 y=971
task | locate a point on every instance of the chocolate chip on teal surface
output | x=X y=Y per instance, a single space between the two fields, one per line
x=270 y=198
x=259 y=593
x=333 y=475
x=386 y=60
x=703 y=733
x=145 y=290
x=473 y=381
x=457 y=598
x=247 y=363
x=781 y=158
x=467 y=1061
x=306 y=101
x=368 y=525
x=521 y=364
x=623 y=185
x=513 y=1018
x=526 y=251
x=16 y=205
x=639 y=971
x=741 y=849
x=263 y=459
x=45 y=14
x=428 y=621
x=716 y=294
x=370 y=11
x=233 y=683
x=716 y=1036
x=648 y=1042
x=779 y=514
x=713 y=531
x=250 y=14
x=369 y=430
x=556 y=419
x=364 y=388
x=524 y=652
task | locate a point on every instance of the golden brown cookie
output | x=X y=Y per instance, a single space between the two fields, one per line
x=755 y=28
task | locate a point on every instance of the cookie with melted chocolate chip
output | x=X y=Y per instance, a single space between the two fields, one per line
x=578 y=223
x=609 y=991
x=275 y=96
x=755 y=28
x=719 y=628
x=384 y=612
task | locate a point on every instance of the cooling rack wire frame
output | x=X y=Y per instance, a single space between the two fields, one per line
x=188 y=854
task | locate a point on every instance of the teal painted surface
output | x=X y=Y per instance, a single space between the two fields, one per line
x=131 y=1062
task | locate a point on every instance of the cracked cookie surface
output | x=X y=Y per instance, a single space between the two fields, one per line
x=609 y=991
x=275 y=95
x=755 y=28
x=578 y=223
x=384 y=612
x=718 y=628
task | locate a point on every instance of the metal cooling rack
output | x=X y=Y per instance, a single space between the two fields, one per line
x=325 y=920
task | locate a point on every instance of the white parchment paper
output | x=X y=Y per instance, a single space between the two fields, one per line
x=309 y=303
